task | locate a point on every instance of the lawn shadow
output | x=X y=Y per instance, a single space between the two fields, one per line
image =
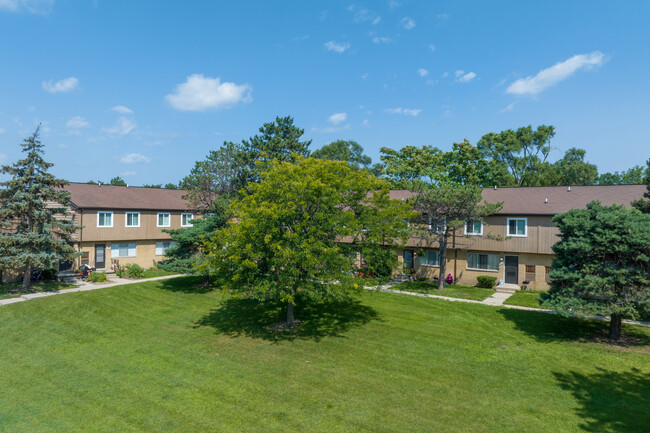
x=610 y=401
x=246 y=317
x=186 y=284
x=545 y=327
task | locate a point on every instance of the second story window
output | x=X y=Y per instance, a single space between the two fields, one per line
x=437 y=226
x=133 y=219
x=186 y=219
x=517 y=227
x=163 y=219
x=474 y=227
x=104 y=219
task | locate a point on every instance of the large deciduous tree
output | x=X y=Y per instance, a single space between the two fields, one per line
x=344 y=150
x=571 y=169
x=522 y=152
x=630 y=176
x=36 y=228
x=602 y=264
x=284 y=240
x=446 y=187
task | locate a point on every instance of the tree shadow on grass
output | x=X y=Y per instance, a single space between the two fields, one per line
x=610 y=401
x=186 y=284
x=251 y=318
x=546 y=327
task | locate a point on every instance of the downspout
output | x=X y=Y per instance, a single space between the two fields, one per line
x=81 y=233
x=453 y=243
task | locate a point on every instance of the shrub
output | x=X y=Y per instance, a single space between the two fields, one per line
x=97 y=277
x=486 y=282
x=381 y=261
x=134 y=271
x=49 y=274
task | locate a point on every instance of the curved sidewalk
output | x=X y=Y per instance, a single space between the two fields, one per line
x=83 y=287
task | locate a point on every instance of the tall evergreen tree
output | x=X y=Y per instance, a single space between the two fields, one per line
x=36 y=231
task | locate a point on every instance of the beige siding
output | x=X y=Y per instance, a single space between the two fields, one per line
x=148 y=229
x=145 y=253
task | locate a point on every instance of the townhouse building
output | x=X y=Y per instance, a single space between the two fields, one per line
x=513 y=245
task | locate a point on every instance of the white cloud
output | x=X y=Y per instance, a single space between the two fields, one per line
x=201 y=93
x=463 y=77
x=508 y=108
x=404 y=111
x=134 y=158
x=61 y=86
x=336 y=46
x=2 y=131
x=423 y=72
x=407 y=23
x=365 y=123
x=122 y=127
x=62 y=146
x=431 y=47
x=331 y=129
x=532 y=85
x=32 y=6
x=337 y=118
x=122 y=109
x=76 y=124
x=364 y=76
x=442 y=18
x=381 y=39
x=365 y=15
x=393 y=3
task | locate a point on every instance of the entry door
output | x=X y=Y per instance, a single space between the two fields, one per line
x=408 y=259
x=100 y=256
x=512 y=269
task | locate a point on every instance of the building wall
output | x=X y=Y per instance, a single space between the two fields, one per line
x=148 y=226
x=145 y=253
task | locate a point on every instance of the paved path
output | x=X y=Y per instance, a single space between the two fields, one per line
x=496 y=301
x=83 y=287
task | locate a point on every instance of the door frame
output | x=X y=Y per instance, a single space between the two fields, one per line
x=505 y=267
x=412 y=258
x=104 y=263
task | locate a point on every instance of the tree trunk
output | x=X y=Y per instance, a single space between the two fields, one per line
x=443 y=262
x=615 y=327
x=290 y=314
x=27 y=277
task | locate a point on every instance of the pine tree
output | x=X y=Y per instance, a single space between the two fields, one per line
x=36 y=230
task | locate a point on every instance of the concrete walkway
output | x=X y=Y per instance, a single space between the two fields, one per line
x=83 y=287
x=496 y=300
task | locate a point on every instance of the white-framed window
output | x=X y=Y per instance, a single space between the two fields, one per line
x=483 y=262
x=126 y=249
x=163 y=219
x=132 y=219
x=437 y=226
x=163 y=246
x=518 y=227
x=474 y=227
x=429 y=258
x=185 y=219
x=104 y=219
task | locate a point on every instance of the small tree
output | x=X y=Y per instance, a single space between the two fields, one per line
x=284 y=240
x=36 y=232
x=602 y=264
x=644 y=204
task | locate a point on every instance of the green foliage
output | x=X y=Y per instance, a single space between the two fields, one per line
x=283 y=243
x=381 y=261
x=632 y=176
x=49 y=274
x=134 y=271
x=34 y=233
x=118 y=181
x=344 y=150
x=171 y=186
x=522 y=153
x=156 y=185
x=572 y=169
x=641 y=204
x=97 y=277
x=602 y=263
x=486 y=282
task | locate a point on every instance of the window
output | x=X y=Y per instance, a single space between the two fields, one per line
x=104 y=219
x=163 y=220
x=437 y=226
x=430 y=258
x=517 y=227
x=530 y=272
x=185 y=219
x=486 y=262
x=162 y=247
x=133 y=219
x=547 y=277
x=474 y=227
x=123 y=250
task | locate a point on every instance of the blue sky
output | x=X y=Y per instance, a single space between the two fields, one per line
x=144 y=89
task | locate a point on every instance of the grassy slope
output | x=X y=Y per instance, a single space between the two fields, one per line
x=453 y=291
x=159 y=357
x=525 y=298
x=14 y=290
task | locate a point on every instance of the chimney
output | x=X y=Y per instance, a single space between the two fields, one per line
x=568 y=189
x=546 y=200
x=99 y=183
x=495 y=187
x=127 y=185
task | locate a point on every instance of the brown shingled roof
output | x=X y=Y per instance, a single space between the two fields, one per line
x=90 y=196
x=551 y=200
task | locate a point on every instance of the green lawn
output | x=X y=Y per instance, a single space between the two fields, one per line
x=164 y=356
x=525 y=298
x=155 y=272
x=453 y=291
x=13 y=290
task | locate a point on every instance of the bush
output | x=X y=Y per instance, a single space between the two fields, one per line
x=134 y=271
x=97 y=277
x=486 y=282
x=49 y=274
